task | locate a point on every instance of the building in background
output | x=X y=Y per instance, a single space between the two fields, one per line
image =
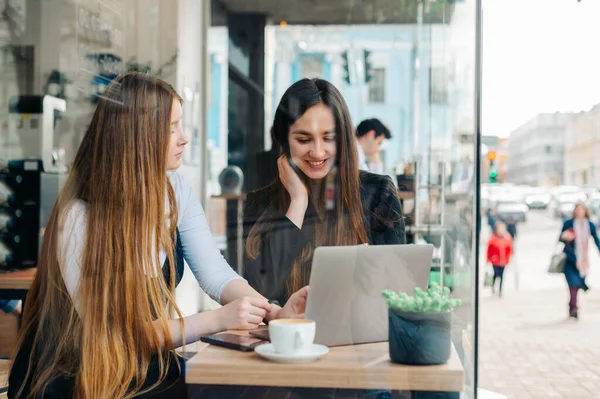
x=535 y=154
x=582 y=148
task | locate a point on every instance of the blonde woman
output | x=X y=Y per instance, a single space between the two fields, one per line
x=99 y=319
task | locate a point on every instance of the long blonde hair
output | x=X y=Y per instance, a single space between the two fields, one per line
x=120 y=173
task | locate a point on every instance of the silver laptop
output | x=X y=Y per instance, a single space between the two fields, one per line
x=345 y=289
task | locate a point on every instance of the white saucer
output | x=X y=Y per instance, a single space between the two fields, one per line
x=268 y=352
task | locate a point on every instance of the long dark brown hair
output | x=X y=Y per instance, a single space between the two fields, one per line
x=107 y=341
x=345 y=225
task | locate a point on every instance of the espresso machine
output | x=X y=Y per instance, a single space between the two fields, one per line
x=30 y=179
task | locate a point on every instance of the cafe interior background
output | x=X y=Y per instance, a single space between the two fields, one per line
x=411 y=63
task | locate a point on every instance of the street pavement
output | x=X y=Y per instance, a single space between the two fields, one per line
x=528 y=348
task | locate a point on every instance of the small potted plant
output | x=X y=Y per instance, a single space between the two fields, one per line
x=419 y=325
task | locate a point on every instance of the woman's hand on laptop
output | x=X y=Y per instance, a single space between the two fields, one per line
x=295 y=306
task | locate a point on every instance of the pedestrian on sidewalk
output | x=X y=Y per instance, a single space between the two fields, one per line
x=511 y=227
x=576 y=233
x=499 y=251
x=492 y=218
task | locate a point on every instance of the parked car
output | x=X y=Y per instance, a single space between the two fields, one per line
x=511 y=208
x=537 y=201
x=561 y=193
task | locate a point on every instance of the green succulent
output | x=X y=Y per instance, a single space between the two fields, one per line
x=434 y=299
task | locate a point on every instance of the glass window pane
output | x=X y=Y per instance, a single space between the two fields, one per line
x=376 y=145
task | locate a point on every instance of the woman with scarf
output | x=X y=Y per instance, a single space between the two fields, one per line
x=576 y=234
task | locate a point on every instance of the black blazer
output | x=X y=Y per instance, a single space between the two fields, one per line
x=281 y=245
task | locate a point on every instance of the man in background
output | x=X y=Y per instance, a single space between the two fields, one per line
x=370 y=134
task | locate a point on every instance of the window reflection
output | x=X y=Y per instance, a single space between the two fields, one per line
x=412 y=67
x=409 y=64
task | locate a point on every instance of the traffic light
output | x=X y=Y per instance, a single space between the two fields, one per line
x=346 y=67
x=368 y=66
x=493 y=175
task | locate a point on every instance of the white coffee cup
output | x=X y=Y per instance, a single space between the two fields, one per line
x=292 y=336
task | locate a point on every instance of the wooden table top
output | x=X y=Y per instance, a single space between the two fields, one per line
x=17 y=280
x=365 y=366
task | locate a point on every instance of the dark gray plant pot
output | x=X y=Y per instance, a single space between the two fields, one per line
x=419 y=338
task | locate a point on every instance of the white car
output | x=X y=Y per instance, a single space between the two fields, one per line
x=537 y=201
x=511 y=209
x=579 y=196
x=563 y=193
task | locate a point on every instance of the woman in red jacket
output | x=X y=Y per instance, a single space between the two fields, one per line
x=499 y=251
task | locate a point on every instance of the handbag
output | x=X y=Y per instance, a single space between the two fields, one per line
x=488 y=277
x=557 y=262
